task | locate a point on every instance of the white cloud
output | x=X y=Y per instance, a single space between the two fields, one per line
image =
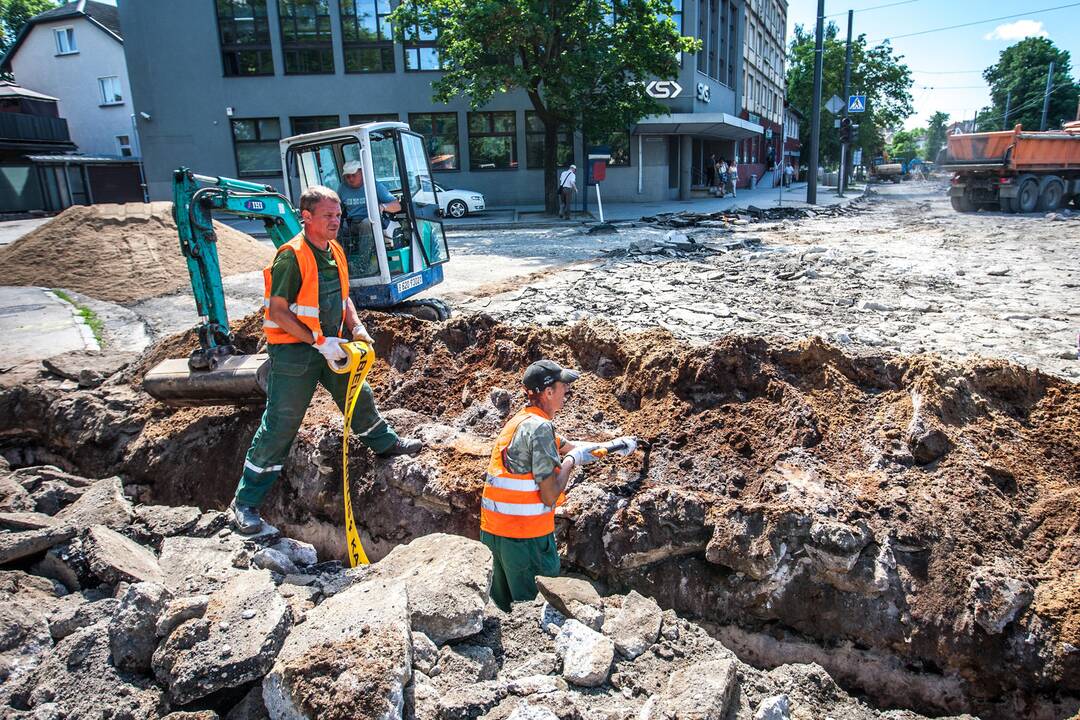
x=1018 y=30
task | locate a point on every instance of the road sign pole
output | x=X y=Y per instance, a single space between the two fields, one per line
x=815 y=120
x=847 y=94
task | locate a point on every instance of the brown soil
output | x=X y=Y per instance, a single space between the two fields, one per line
x=122 y=253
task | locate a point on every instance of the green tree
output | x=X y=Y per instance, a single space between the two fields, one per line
x=14 y=14
x=1021 y=69
x=876 y=72
x=905 y=144
x=582 y=63
x=935 y=134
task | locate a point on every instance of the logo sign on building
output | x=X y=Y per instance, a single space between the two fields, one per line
x=704 y=93
x=856 y=103
x=834 y=105
x=663 y=89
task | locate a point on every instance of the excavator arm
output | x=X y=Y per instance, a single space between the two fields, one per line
x=195 y=199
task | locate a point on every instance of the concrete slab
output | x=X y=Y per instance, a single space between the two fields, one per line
x=36 y=324
x=12 y=230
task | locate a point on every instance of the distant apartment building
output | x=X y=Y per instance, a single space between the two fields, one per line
x=793 y=119
x=75 y=53
x=764 y=86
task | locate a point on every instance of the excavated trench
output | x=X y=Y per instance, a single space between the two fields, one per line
x=911 y=524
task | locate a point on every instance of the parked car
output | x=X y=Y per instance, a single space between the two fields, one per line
x=452 y=203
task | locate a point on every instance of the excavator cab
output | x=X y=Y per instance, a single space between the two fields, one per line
x=392 y=256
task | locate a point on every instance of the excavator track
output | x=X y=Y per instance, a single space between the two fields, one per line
x=429 y=309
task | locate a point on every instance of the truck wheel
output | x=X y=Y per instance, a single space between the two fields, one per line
x=961 y=204
x=1051 y=194
x=1027 y=198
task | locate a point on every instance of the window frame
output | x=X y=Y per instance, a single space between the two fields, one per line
x=257 y=140
x=319 y=119
x=67 y=31
x=262 y=48
x=419 y=44
x=324 y=47
x=126 y=146
x=384 y=42
x=515 y=157
x=103 y=100
x=412 y=120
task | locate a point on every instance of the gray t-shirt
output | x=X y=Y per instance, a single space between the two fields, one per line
x=533 y=449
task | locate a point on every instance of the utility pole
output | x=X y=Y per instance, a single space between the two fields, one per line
x=815 y=121
x=1046 y=97
x=845 y=148
x=1008 y=102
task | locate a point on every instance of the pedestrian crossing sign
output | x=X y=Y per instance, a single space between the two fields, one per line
x=856 y=103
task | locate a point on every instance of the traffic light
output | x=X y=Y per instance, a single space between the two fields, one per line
x=845 y=130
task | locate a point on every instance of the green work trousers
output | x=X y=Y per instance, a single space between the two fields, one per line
x=295 y=370
x=518 y=562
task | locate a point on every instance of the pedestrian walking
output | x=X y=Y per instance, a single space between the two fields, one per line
x=710 y=174
x=733 y=177
x=789 y=173
x=721 y=176
x=567 y=188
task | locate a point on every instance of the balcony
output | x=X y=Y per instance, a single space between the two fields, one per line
x=34 y=133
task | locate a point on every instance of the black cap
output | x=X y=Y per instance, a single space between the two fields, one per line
x=545 y=373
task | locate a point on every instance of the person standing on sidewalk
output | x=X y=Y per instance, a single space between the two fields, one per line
x=721 y=176
x=307 y=310
x=733 y=177
x=567 y=188
x=789 y=171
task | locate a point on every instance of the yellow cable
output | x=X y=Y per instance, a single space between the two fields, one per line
x=359 y=357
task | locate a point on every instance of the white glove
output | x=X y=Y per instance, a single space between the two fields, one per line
x=631 y=444
x=359 y=332
x=582 y=453
x=330 y=348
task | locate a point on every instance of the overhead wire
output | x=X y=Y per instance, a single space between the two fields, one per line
x=875 y=7
x=980 y=22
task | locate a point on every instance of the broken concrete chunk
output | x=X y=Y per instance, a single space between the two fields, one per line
x=301 y=554
x=197 y=715
x=531 y=712
x=425 y=652
x=274 y=561
x=89 y=369
x=180 y=610
x=775 y=707
x=448 y=578
x=19 y=521
x=114 y=558
x=13 y=496
x=234 y=643
x=103 y=503
x=562 y=592
x=586 y=654
x=701 y=691
x=132 y=630
x=471 y=701
x=635 y=626
x=71 y=617
x=997 y=600
x=157 y=522
x=19 y=545
x=197 y=566
x=351 y=657
x=465 y=665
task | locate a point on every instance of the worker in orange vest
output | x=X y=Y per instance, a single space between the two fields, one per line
x=529 y=469
x=307 y=313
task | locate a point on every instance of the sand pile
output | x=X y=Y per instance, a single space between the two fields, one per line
x=122 y=253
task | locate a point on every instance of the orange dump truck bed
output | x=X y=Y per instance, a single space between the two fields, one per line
x=1018 y=150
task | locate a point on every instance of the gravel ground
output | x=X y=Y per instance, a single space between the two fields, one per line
x=908 y=274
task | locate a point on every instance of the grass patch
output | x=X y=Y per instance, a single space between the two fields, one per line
x=96 y=324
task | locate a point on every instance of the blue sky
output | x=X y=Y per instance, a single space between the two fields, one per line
x=971 y=48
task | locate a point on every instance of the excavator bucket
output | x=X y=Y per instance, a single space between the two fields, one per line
x=235 y=380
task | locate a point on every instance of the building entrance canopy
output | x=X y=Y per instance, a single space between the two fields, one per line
x=711 y=125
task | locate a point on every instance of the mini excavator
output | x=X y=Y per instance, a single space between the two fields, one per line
x=390 y=260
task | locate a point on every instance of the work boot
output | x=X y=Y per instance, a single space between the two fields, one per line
x=244 y=518
x=403 y=446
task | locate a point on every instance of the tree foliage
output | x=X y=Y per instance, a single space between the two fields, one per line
x=935 y=134
x=1021 y=69
x=580 y=63
x=14 y=14
x=905 y=144
x=876 y=72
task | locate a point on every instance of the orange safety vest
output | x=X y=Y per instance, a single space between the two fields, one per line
x=306 y=306
x=511 y=505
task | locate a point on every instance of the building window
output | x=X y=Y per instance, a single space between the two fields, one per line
x=440 y=130
x=493 y=141
x=619 y=142
x=244 y=34
x=123 y=142
x=255 y=141
x=421 y=51
x=370 y=118
x=305 y=37
x=65 y=41
x=365 y=29
x=535 y=143
x=313 y=123
x=109 y=90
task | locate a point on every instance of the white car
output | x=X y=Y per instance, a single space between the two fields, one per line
x=452 y=203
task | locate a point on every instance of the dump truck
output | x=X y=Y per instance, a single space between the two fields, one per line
x=1015 y=171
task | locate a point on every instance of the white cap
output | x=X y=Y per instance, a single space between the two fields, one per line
x=353 y=166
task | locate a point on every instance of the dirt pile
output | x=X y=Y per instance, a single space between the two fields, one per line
x=121 y=253
x=910 y=523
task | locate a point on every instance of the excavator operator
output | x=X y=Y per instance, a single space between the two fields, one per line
x=307 y=310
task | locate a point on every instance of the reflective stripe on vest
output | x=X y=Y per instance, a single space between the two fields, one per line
x=306 y=306
x=511 y=505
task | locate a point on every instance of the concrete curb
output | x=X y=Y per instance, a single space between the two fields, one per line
x=85 y=332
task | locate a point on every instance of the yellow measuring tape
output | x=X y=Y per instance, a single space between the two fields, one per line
x=359 y=357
